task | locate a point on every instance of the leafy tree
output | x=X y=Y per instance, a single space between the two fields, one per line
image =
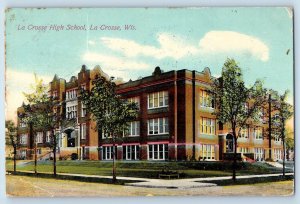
x=109 y=110
x=237 y=105
x=44 y=113
x=11 y=138
x=284 y=111
x=31 y=114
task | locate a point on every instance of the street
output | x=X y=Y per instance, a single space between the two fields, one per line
x=30 y=186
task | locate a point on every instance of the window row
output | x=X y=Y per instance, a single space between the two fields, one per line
x=132 y=152
x=156 y=126
x=257 y=133
x=207 y=152
x=71 y=94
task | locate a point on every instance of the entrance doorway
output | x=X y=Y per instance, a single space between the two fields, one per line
x=70 y=137
x=229 y=143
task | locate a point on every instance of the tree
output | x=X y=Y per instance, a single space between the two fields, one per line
x=44 y=112
x=11 y=138
x=109 y=110
x=237 y=105
x=284 y=111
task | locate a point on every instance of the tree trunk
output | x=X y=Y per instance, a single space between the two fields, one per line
x=114 y=164
x=234 y=159
x=15 y=166
x=54 y=156
x=35 y=158
x=283 y=161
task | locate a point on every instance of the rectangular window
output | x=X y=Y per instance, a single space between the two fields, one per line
x=71 y=112
x=244 y=132
x=207 y=126
x=39 y=151
x=205 y=99
x=48 y=136
x=83 y=131
x=83 y=110
x=107 y=153
x=258 y=133
x=135 y=100
x=207 y=152
x=105 y=135
x=158 y=126
x=39 y=137
x=23 y=139
x=158 y=100
x=131 y=152
x=277 y=154
x=133 y=129
x=71 y=94
x=244 y=150
x=158 y=152
x=258 y=154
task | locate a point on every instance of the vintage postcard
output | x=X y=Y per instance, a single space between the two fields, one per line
x=149 y=101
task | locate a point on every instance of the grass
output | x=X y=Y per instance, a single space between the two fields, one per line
x=145 y=169
x=247 y=181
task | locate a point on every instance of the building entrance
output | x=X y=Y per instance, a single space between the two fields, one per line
x=229 y=143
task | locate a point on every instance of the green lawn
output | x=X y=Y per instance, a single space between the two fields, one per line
x=145 y=169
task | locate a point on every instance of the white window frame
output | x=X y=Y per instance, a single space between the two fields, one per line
x=258 y=153
x=206 y=124
x=71 y=94
x=205 y=99
x=277 y=154
x=156 y=96
x=151 y=154
x=39 y=137
x=258 y=133
x=83 y=131
x=244 y=150
x=129 y=154
x=133 y=129
x=245 y=133
x=71 y=112
x=208 y=151
x=23 y=138
x=48 y=134
x=107 y=155
x=159 y=124
x=83 y=110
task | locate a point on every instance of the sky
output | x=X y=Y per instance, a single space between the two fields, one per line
x=259 y=39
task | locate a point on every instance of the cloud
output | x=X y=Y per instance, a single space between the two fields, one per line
x=172 y=46
x=112 y=62
x=230 y=42
x=18 y=82
x=91 y=42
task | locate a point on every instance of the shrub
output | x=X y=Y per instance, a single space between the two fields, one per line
x=74 y=156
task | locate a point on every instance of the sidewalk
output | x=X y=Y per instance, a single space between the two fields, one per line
x=161 y=183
